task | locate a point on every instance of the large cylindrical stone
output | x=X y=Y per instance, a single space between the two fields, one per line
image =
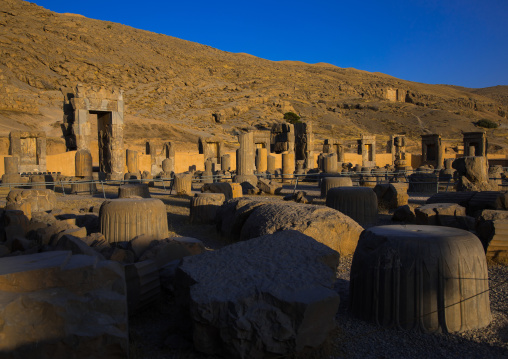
x=330 y=163
x=332 y=182
x=225 y=162
x=270 y=164
x=84 y=185
x=424 y=278
x=168 y=165
x=261 y=160
x=245 y=154
x=132 y=161
x=83 y=164
x=288 y=166
x=183 y=183
x=125 y=218
x=11 y=165
x=204 y=206
x=359 y=203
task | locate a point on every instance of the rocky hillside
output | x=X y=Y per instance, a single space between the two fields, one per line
x=178 y=90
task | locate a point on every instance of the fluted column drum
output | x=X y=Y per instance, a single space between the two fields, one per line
x=330 y=163
x=332 y=182
x=423 y=278
x=359 y=203
x=225 y=162
x=288 y=166
x=261 y=160
x=125 y=218
x=182 y=183
x=168 y=165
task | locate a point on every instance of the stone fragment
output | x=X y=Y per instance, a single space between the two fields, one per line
x=230 y=190
x=76 y=246
x=143 y=284
x=247 y=302
x=170 y=249
x=328 y=226
x=391 y=195
x=182 y=183
x=139 y=190
x=444 y=214
x=269 y=187
x=123 y=256
x=40 y=200
x=59 y=305
x=404 y=214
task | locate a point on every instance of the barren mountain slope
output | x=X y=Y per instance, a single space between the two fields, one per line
x=173 y=87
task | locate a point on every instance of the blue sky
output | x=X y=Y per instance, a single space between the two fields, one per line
x=456 y=42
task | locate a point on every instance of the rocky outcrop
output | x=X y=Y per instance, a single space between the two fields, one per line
x=245 y=302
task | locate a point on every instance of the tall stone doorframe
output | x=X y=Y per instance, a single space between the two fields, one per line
x=367 y=148
x=332 y=146
x=475 y=144
x=30 y=149
x=432 y=150
x=262 y=139
x=109 y=108
x=211 y=148
x=304 y=144
x=158 y=152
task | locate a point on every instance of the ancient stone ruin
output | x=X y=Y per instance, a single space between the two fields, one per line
x=30 y=150
x=367 y=148
x=475 y=144
x=432 y=150
x=86 y=105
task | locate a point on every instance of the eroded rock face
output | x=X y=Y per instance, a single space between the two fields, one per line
x=39 y=199
x=53 y=304
x=269 y=296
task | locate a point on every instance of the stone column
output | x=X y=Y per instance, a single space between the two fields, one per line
x=225 y=161
x=132 y=161
x=83 y=164
x=261 y=160
x=330 y=163
x=270 y=164
x=245 y=159
x=117 y=147
x=11 y=165
x=288 y=166
x=168 y=165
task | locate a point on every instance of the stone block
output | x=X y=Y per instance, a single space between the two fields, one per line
x=59 y=305
x=40 y=200
x=247 y=302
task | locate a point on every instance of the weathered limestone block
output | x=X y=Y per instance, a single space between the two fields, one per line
x=140 y=190
x=424 y=278
x=125 y=218
x=332 y=182
x=203 y=207
x=444 y=214
x=325 y=225
x=473 y=201
x=68 y=242
x=423 y=182
x=171 y=249
x=182 y=183
x=492 y=229
x=268 y=186
x=229 y=189
x=40 y=200
x=38 y=182
x=392 y=195
x=59 y=305
x=247 y=302
x=143 y=284
x=359 y=203
x=232 y=215
x=83 y=164
x=473 y=168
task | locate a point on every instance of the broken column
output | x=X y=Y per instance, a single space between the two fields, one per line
x=226 y=162
x=245 y=159
x=330 y=163
x=261 y=160
x=288 y=166
x=304 y=143
x=132 y=161
x=271 y=164
x=11 y=175
x=83 y=173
